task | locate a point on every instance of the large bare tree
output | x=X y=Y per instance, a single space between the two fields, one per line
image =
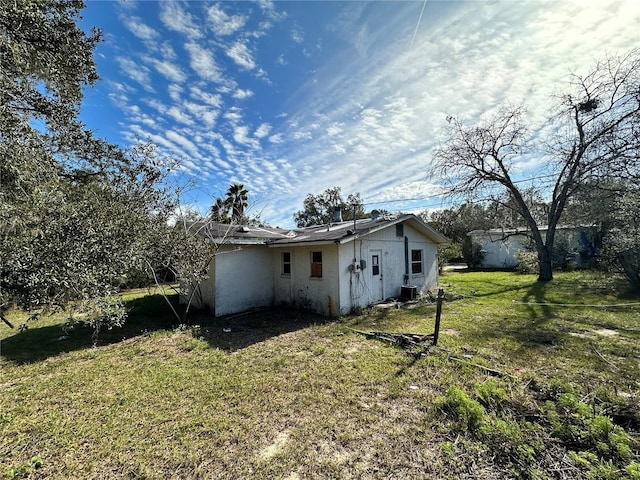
x=594 y=135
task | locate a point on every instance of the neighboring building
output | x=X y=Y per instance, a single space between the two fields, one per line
x=499 y=246
x=329 y=269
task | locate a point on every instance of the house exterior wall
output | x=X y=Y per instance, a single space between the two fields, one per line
x=499 y=252
x=360 y=288
x=243 y=278
x=299 y=288
x=206 y=295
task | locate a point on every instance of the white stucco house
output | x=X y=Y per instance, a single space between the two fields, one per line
x=328 y=269
x=499 y=246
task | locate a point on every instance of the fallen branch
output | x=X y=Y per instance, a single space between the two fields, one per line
x=613 y=365
x=4 y=319
x=420 y=340
x=491 y=371
x=424 y=341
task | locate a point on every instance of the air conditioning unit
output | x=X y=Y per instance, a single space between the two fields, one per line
x=408 y=292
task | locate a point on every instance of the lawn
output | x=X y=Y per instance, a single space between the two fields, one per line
x=520 y=386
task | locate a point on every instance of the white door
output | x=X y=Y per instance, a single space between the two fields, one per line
x=377 y=292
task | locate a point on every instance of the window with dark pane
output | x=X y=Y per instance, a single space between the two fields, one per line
x=375 y=265
x=416 y=261
x=286 y=263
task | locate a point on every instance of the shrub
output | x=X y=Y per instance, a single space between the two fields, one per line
x=467 y=413
x=527 y=262
x=472 y=253
x=490 y=394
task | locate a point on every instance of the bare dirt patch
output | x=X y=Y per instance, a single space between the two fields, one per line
x=275 y=447
x=605 y=332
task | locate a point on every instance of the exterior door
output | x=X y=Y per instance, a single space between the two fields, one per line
x=377 y=290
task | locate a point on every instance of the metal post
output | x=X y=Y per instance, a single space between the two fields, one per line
x=438 y=314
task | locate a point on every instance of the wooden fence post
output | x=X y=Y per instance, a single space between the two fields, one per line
x=438 y=314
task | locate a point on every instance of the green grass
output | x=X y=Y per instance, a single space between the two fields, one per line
x=292 y=395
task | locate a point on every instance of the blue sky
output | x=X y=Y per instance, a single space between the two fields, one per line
x=291 y=98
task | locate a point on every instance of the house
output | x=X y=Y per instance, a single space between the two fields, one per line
x=499 y=246
x=329 y=269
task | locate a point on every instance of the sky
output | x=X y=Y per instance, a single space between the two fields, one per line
x=294 y=97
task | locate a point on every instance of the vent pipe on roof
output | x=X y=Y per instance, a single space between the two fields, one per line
x=337 y=214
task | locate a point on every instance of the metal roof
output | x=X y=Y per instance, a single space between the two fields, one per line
x=344 y=232
x=340 y=232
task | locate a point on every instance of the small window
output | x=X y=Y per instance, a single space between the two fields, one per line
x=400 y=230
x=416 y=261
x=286 y=263
x=375 y=265
x=316 y=264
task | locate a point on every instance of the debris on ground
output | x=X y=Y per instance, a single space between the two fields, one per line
x=424 y=342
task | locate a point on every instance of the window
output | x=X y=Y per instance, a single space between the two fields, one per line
x=286 y=263
x=399 y=229
x=375 y=265
x=416 y=261
x=316 y=264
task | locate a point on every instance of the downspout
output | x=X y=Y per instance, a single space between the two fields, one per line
x=406 y=260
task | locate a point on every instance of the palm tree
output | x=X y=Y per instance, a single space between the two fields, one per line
x=237 y=199
x=220 y=211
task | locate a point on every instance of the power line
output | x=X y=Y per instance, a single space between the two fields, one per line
x=426 y=197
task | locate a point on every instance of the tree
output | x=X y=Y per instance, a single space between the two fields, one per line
x=613 y=207
x=238 y=201
x=593 y=136
x=234 y=203
x=220 y=211
x=318 y=209
x=76 y=212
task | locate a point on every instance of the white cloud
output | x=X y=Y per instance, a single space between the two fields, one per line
x=184 y=142
x=224 y=24
x=233 y=115
x=136 y=72
x=241 y=55
x=241 y=93
x=297 y=35
x=335 y=129
x=166 y=51
x=140 y=29
x=179 y=115
x=175 y=18
x=203 y=62
x=213 y=100
x=262 y=131
x=241 y=136
x=204 y=113
x=169 y=70
x=277 y=138
x=175 y=91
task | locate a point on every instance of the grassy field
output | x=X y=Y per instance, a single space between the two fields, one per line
x=519 y=387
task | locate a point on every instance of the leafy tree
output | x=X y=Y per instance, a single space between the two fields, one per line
x=76 y=212
x=593 y=136
x=613 y=207
x=318 y=209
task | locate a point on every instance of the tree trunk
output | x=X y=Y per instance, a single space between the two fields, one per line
x=630 y=261
x=546 y=266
